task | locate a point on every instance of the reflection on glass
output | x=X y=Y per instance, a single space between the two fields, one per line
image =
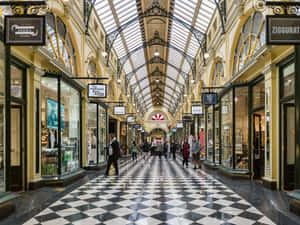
x=102 y=126
x=2 y=120
x=288 y=80
x=210 y=134
x=258 y=95
x=92 y=134
x=16 y=82
x=241 y=128
x=217 y=136
x=49 y=121
x=226 y=129
x=70 y=128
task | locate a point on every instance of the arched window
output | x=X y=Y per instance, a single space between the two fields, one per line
x=218 y=76
x=158 y=116
x=92 y=71
x=251 y=39
x=59 y=42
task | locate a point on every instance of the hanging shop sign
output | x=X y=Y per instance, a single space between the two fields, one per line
x=225 y=109
x=174 y=130
x=119 y=110
x=25 y=30
x=283 y=30
x=187 y=118
x=197 y=110
x=179 y=125
x=130 y=119
x=209 y=98
x=97 y=90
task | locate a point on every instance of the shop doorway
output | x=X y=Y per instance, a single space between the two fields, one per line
x=16 y=148
x=258 y=143
x=288 y=134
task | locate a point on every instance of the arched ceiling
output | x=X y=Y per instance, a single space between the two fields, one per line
x=156 y=42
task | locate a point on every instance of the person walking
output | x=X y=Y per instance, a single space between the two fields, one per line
x=196 y=153
x=173 y=150
x=146 y=151
x=186 y=153
x=169 y=150
x=134 y=151
x=113 y=155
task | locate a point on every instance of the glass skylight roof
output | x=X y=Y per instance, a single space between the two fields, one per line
x=115 y=13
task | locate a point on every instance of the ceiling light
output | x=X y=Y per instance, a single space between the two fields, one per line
x=119 y=81
x=104 y=54
x=193 y=81
x=185 y=95
x=133 y=104
x=206 y=55
x=157 y=81
x=156 y=54
x=128 y=95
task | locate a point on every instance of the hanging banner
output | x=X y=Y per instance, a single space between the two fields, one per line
x=25 y=30
x=119 y=110
x=283 y=30
x=197 y=110
x=97 y=91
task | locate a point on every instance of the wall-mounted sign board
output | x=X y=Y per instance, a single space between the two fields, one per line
x=119 y=110
x=197 y=110
x=209 y=98
x=179 y=125
x=25 y=30
x=130 y=119
x=97 y=91
x=283 y=30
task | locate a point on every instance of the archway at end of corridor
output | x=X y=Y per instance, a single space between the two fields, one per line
x=158 y=134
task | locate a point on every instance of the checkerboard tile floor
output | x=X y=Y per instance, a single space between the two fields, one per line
x=152 y=193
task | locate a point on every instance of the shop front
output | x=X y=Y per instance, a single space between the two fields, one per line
x=61 y=126
x=113 y=127
x=2 y=120
x=123 y=135
x=212 y=155
x=287 y=124
x=233 y=136
x=96 y=134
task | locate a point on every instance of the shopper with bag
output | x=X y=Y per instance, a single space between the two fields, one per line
x=113 y=153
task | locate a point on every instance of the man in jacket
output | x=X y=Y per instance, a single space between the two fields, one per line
x=113 y=154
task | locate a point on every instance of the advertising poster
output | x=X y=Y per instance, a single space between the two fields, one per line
x=52 y=117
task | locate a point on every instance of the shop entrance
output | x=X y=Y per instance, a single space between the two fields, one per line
x=288 y=134
x=258 y=143
x=16 y=139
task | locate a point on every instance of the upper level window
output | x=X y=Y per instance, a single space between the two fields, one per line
x=59 y=42
x=251 y=39
x=218 y=76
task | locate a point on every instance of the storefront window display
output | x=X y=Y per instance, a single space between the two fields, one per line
x=227 y=129
x=2 y=118
x=60 y=113
x=288 y=124
x=102 y=133
x=92 y=134
x=241 y=128
x=210 y=134
x=217 y=135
